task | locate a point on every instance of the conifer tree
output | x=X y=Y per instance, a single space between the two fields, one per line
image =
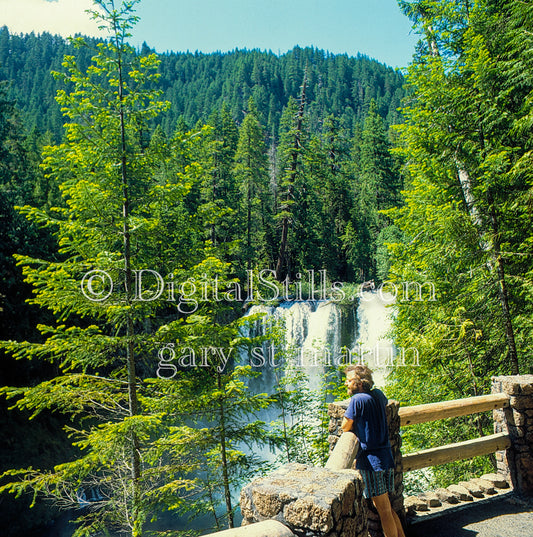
x=464 y=202
x=289 y=187
x=219 y=192
x=328 y=175
x=130 y=230
x=376 y=186
x=251 y=176
x=114 y=215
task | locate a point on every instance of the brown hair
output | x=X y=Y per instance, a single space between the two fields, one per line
x=363 y=374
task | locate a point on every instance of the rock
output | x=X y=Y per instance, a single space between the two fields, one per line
x=349 y=528
x=304 y=513
x=497 y=480
x=246 y=505
x=308 y=500
x=486 y=486
x=332 y=427
x=266 y=501
x=349 y=500
x=474 y=489
x=516 y=418
x=461 y=492
x=519 y=403
x=431 y=499
x=445 y=495
x=338 y=408
x=268 y=528
x=413 y=503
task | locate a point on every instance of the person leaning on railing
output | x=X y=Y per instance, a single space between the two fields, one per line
x=366 y=418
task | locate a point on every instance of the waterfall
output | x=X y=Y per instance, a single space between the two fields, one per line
x=373 y=343
x=321 y=334
x=314 y=333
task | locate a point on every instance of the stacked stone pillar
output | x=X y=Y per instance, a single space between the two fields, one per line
x=309 y=501
x=516 y=463
x=336 y=412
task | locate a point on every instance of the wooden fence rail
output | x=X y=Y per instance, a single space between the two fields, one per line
x=455 y=452
x=461 y=450
x=410 y=415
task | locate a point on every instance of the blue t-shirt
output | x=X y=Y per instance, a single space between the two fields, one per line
x=367 y=410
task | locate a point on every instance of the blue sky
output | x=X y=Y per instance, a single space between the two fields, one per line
x=375 y=28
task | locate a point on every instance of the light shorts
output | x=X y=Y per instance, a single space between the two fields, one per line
x=377 y=483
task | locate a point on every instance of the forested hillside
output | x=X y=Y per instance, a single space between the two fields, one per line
x=197 y=84
x=347 y=106
x=204 y=169
x=227 y=164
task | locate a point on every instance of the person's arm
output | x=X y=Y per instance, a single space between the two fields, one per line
x=349 y=417
x=347 y=424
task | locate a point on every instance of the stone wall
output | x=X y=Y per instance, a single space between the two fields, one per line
x=320 y=502
x=516 y=463
x=336 y=412
x=488 y=485
x=310 y=501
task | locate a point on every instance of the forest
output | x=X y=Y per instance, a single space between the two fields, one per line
x=140 y=193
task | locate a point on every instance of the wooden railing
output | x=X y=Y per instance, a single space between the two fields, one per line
x=345 y=450
x=460 y=450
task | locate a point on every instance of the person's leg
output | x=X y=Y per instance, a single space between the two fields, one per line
x=398 y=523
x=377 y=487
x=390 y=521
x=386 y=515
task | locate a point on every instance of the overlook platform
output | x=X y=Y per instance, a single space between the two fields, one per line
x=303 y=500
x=505 y=515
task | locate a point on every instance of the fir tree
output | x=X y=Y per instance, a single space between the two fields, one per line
x=105 y=177
x=255 y=207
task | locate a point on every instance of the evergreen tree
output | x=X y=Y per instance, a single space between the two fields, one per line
x=112 y=209
x=291 y=183
x=38 y=442
x=219 y=192
x=129 y=229
x=328 y=170
x=255 y=207
x=376 y=186
x=464 y=220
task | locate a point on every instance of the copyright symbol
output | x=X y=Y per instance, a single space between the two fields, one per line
x=97 y=285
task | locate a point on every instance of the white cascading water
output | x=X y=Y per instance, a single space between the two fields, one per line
x=312 y=330
x=311 y=338
x=373 y=342
x=321 y=333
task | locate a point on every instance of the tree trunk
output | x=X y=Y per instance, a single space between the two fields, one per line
x=503 y=291
x=249 y=211
x=136 y=523
x=496 y=262
x=225 y=470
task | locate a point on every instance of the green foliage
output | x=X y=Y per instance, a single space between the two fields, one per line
x=128 y=206
x=466 y=219
x=326 y=230
x=131 y=187
x=197 y=84
x=376 y=188
x=255 y=204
